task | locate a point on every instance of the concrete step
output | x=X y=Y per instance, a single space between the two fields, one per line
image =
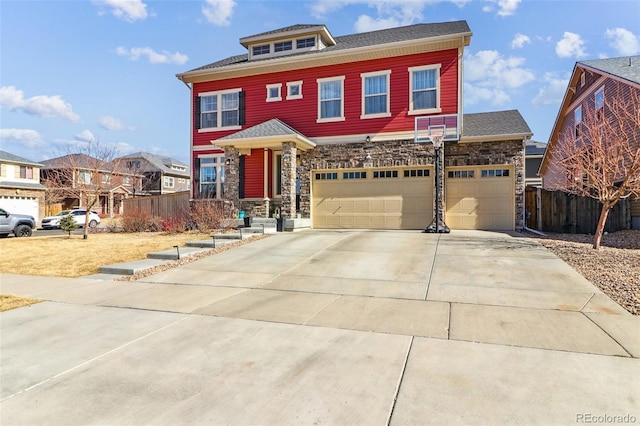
x=130 y=268
x=209 y=244
x=175 y=254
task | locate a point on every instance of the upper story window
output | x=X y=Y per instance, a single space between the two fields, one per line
x=180 y=168
x=375 y=94
x=577 y=119
x=303 y=43
x=84 y=177
x=274 y=92
x=106 y=178
x=220 y=110
x=294 y=90
x=424 y=89
x=282 y=46
x=261 y=50
x=330 y=99
x=26 y=172
x=599 y=98
x=168 y=182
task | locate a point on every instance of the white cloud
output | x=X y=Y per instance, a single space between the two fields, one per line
x=489 y=76
x=623 y=41
x=571 y=46
x=553 y=91
x=218 y=12
x=24 y=137
x=154 y=57
x=519 y=41
x=127 y=10
x=85 y=136
x=43 y=106
x=112 y=123
x=505 y=7
x=389 y=13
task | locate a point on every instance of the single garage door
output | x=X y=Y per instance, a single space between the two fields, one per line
x=21 y=205
x=372 y=198
x=481 y=197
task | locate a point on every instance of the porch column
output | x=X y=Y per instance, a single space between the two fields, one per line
x=231 y=186
x=289 y=154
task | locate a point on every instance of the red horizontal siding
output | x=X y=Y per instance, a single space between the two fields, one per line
x=302 y=113
x=254 y=174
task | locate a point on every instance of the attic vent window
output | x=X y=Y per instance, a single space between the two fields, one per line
x=305 y=42
x=262 y=50
x=283 y=46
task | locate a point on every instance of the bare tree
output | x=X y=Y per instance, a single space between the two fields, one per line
x=599 y=157
x=85 y=176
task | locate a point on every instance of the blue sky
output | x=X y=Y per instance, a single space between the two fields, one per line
x=104 y=70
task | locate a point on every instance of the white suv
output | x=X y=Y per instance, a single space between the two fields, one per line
x=78 y=215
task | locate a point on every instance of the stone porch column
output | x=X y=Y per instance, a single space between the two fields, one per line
x=288 y=179
x=231 y=185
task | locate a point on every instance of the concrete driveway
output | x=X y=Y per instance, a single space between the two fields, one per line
x=332 y=327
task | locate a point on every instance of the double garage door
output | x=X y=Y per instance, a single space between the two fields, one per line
x=479 y=197
x=21 y=205
x=372 y=198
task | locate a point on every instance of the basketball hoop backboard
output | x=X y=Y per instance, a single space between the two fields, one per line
x=426 y=127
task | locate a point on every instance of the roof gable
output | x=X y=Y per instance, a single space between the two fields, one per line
x=625 y=67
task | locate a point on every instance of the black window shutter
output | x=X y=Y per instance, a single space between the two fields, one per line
x=241 y=108
x=196 y=179
x=241 y=177
x=197 y=102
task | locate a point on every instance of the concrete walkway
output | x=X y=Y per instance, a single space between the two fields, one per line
x=332 y=327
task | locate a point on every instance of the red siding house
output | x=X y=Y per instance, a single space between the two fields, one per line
x=594 y=88
x=335 y=130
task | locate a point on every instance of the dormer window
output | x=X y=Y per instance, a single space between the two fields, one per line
x=303 y=43
x=264 y=49
x=283 y=46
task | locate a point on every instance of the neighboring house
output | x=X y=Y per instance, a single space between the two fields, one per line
x=78 y=177
x=308 y=124
x=20 y=188
x=533 y=153
x=162 y=175
x=589 y=86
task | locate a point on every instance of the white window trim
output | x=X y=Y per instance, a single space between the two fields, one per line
x=437 y=109
x=170 y=180
x=274 y=86
x=326 y=80
x=219 y=164
x=219 y=94
x=291 y=84
x=364 y=76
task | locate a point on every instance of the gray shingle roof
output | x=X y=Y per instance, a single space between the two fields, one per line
x=273 y=127
x=496 y=123
x=372 y=38
x=156 y=162
x=627 y=67
x=12 y=158
x=82 y=161
x=534 y=148
x=21 y=185
x=295 y=27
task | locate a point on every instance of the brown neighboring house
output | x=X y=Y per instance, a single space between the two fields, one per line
x=20 y=187
x=162 y=175
x=79 y=175
x=589 y=86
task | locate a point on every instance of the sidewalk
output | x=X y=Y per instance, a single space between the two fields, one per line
x=333 y=327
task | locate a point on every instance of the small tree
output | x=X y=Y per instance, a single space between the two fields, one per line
x=68 y=224
x=599 y=157
x=85 y=176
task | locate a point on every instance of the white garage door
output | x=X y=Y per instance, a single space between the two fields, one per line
x=21 y=205
x=481 y=197
x=373 y=198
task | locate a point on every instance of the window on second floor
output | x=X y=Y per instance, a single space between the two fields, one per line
x=283 y=46
x=261 y=50
x=26 y=172
x=599 y=102
x=294 y=90
x=220 y=110
x=106 y=178
x=577 y=119
x=330 y=99
x=424 y=89
x=84 y=177
x=302 y=43
x=274 y=92
x=168 y=182
x=375 y=94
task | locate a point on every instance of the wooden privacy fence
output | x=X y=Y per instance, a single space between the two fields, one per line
x=556 y=211
x=167 y=205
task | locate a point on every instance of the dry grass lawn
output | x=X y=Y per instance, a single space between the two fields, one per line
x=11 y=302
x=64 y=256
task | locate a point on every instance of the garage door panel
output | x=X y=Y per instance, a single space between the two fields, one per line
x=377 y=203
